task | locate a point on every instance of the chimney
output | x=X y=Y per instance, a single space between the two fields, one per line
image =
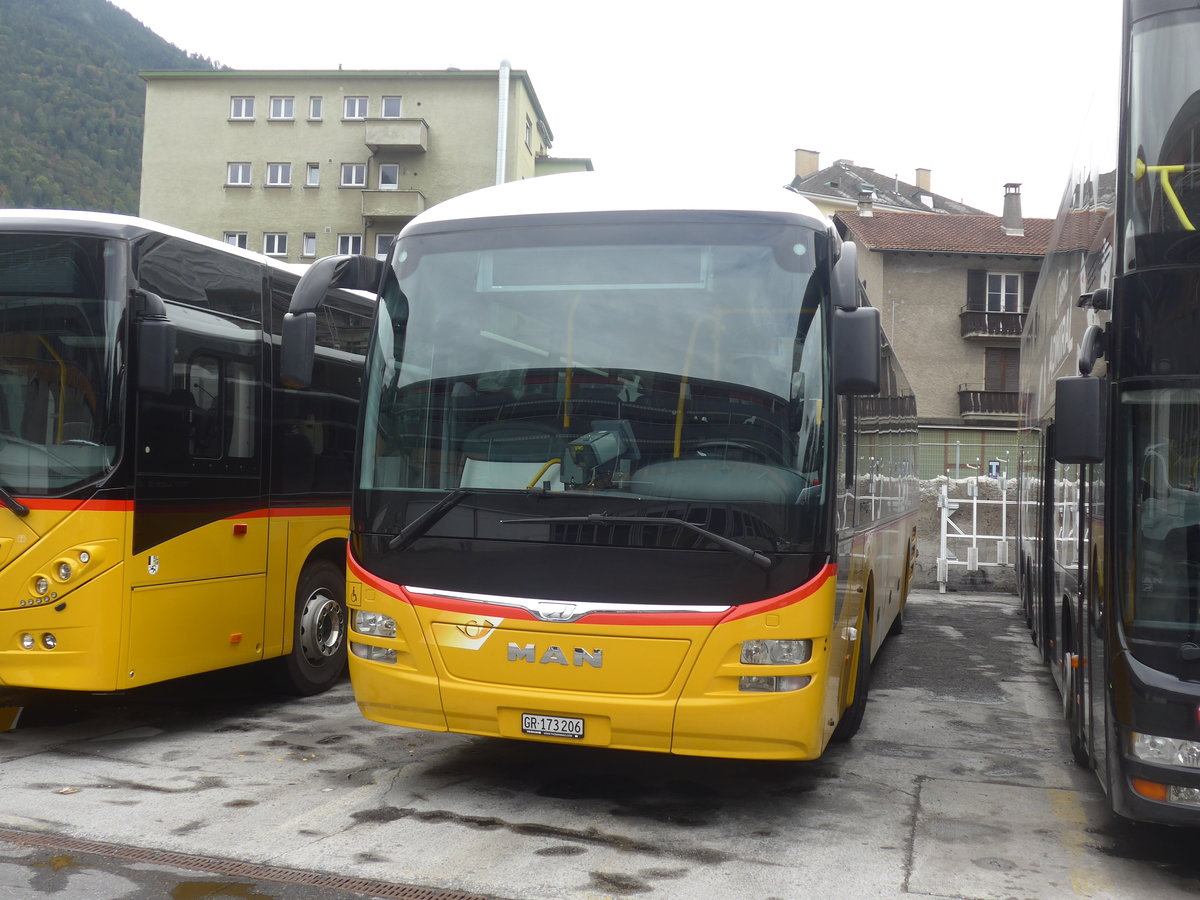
x=807 y=162
x=923 y=181
x=866 y=200
x=1011 y=223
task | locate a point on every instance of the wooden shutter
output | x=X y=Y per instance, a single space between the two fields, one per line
x=1001 y=368
x=1027 y=289
x=977 y=290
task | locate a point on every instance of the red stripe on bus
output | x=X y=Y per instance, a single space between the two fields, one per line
x=827 y=573
x=46 y=504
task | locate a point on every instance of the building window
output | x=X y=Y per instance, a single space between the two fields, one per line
x=383 y=243
x=354 y=175
x=308 y=246
x=236 y=238
x=275 y=243
x=312 y=175
x=1000 y=368
x=391 y=107
x=314 y=107
x=1003 y=292
x=283 y=108
x=241 y=108
x=350 y=243
x=279 y=174
x=389 y=176
x=239 y=174
x=528 y=134
x=355 y=108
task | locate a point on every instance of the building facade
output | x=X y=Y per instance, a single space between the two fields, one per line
x=953 y=291
x=305 y=164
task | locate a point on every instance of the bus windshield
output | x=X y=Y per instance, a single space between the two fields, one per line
x=1164 y=136
x=1162 y=429
x=60 y=318
x=651 y=361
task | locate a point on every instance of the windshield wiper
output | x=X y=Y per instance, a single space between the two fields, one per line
x=427 y=519
x=18 y=508
x=749 y=553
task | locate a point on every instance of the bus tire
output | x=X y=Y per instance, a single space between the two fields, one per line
x=318 y=656
x=852 y=718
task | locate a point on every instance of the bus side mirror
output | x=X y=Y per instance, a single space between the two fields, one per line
x=155 y=345
x=857 y=334
x=845 y=277
x=1079 y=419
x=298 y=340
x=297 y=347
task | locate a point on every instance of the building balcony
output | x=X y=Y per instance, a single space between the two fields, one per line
x=397 y=135
x=392 y=204
x=992 y=326
x=976 y=403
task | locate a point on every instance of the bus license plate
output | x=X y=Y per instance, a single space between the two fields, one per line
x=551 y=726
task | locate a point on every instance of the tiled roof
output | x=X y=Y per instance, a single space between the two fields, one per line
x=933 y=233
x=844 y=181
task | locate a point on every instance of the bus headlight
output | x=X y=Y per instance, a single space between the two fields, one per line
x=776 y=653
x=772 y=684
x=375 y=654
x=374 y=623
x=49 y=641
x=41 y=585
x=1165 y=751
x=63 y=570
x=28 y=642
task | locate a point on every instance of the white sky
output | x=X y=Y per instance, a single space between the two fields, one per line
x=980 y=93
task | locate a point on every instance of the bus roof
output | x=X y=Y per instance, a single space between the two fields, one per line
x=584 y=192
x=114 y=225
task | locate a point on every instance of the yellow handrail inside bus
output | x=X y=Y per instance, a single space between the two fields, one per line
x=62 y=386
x=1140 y=169
x=544 y=469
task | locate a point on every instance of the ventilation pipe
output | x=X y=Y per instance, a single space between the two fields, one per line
x=502 y=121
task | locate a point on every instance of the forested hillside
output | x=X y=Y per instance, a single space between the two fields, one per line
x=71 y=102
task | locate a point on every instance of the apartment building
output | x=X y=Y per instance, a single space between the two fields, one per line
x=954 y=290
x=304 y=164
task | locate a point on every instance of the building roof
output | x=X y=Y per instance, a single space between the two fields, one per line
x=933 y=233
x=844 y=181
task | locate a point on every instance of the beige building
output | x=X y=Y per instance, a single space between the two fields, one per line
x=953 y=291
x=305 y=164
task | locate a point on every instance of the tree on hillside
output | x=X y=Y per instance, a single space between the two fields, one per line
x=71 y=104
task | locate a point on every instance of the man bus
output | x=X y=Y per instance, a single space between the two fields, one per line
x=168 y=507
x=1110 y=479
x=636 y=470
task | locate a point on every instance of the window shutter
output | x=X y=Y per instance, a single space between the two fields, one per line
x=1027 y=290
x=977 y=290
x=1001 y=369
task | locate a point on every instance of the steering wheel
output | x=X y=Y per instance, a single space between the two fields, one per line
x=741 y=451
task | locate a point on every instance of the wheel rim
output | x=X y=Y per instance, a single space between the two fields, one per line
x=322 y=626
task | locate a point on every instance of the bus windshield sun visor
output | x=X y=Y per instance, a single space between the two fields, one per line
x=748 y=553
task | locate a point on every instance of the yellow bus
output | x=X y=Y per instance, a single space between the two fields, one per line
x=167 y=506
x=635 y=470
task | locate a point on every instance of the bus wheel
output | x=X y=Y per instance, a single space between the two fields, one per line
x=853 y=716
x=318 y=655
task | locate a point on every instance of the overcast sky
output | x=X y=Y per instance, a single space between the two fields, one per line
x=981 y=93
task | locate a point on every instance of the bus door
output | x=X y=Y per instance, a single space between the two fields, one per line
x=199 y=535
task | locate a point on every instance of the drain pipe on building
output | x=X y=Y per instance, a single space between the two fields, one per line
x=502 y=121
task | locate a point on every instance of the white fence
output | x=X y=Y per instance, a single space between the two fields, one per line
x=973 y=548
